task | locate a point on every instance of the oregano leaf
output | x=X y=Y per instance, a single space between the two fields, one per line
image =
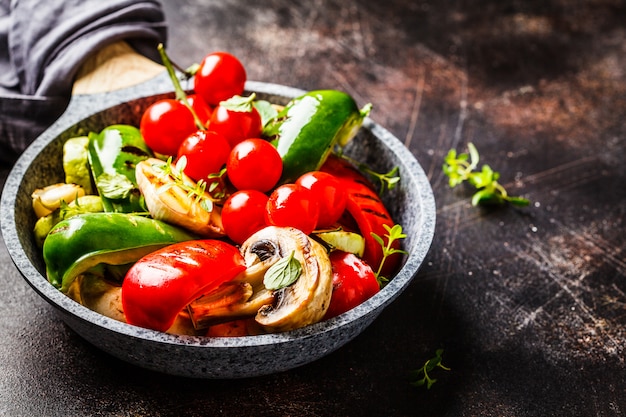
x=239 y=103
x=266 y=111
x=283 y=273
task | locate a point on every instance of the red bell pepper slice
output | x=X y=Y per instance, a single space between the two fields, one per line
x=368 y=211
x=158 y=286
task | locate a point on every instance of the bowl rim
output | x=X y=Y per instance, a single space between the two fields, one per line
x=66 y=305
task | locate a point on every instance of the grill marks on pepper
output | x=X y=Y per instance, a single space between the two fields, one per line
x=376 y=213
x=132 y=150
x=60 y=229
x=367 y=197
x=372 y=198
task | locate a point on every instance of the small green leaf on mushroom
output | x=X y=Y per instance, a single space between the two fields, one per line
x=283 y=273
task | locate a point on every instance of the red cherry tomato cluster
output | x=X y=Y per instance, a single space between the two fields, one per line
x=167 y=122
x=204 y=127
x=305 y=205
x=223 y=129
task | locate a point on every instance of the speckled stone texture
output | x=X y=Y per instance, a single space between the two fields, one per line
x=411 y=204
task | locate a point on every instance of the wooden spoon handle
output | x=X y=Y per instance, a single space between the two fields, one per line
x=114 y=67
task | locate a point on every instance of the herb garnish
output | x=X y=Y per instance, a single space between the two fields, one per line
x=196 y=191
x=387 y=180
x=283 y=273
x=239 y=103
x=114 y=185
x=393 y=233
x=462 y=167
x=423 y=372
x=266 y=110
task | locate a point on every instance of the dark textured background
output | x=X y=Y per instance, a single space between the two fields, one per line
x=529 y=305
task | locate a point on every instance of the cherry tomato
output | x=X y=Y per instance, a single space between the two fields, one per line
x=219 y=77
x=353 y=282
x=254 y=164
x=165 y=125
x=206 y=154
x=243 y=214
x=236 y=125
x=292 y=205
x=158 y=286
x=329 y=193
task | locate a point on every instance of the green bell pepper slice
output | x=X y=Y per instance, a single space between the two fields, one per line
x=77 y=244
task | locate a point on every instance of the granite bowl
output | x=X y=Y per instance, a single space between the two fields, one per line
x=411 y=204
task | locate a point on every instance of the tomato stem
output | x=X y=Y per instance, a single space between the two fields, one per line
x=180 y=93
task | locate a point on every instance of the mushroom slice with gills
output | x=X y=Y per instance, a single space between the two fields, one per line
x=173 y=197
x=239 y=298
x=299 y=304
x=306 y=300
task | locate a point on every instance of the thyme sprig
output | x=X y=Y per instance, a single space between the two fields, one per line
x=393 y=233
x=461 y=167
x=195 y=190
x=387 y=180
x=422 y=376
x=217 y=188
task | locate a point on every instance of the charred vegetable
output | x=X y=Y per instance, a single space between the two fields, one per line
x=82 y=242
x=287 y=283
x=161 y=284
x=173 y=197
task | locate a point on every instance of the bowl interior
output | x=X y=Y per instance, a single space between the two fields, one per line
x=411 y=204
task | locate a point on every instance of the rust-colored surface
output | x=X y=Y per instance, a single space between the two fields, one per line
x=528 y=304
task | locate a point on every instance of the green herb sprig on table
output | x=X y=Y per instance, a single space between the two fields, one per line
x=422 y=377
x=462 y=167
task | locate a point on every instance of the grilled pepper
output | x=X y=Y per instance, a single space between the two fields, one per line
x=306 y=130
x=368 y=211
x=82 y=242
x=162 y=283
x=113 y=155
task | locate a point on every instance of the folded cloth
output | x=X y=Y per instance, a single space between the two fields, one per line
x=44 y=43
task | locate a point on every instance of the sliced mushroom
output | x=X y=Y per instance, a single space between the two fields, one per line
x=306 y=300
x=170 y=200
x=239 y=298
x=302 y=303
